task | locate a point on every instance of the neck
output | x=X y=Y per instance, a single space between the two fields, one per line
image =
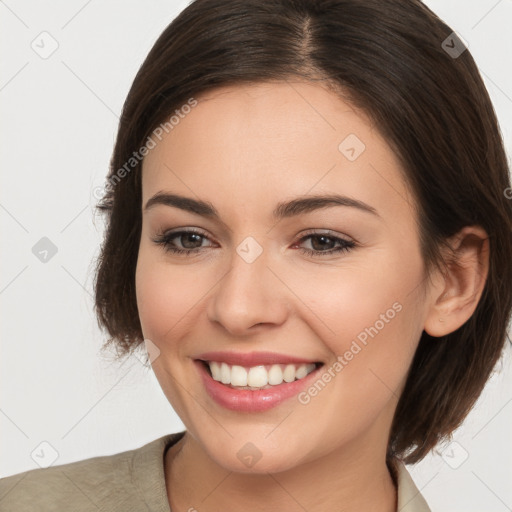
x=346 y=480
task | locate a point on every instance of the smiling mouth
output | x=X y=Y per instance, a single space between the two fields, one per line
x=257 y=377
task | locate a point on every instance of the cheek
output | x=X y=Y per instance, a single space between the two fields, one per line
x=369 y=316
x=340 y=302
x=164 y=295
x=164 y=300
x=362 y=383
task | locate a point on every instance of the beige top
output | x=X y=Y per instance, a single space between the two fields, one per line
x=129 y=481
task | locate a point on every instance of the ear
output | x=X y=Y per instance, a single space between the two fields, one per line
x=456 y=296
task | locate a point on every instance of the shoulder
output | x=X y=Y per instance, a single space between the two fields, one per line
x=83 y=485
x=107 y=482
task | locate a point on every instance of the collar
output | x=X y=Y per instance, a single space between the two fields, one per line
x=149 y=478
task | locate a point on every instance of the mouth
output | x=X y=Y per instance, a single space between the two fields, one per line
x=257 y=377
x=255 y=389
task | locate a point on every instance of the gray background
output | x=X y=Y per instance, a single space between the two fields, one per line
x=59 y=117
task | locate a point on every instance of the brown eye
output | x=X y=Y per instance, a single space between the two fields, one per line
x=324 y=244
x=191 y=241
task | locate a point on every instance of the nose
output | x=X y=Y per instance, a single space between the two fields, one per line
x=250 y=294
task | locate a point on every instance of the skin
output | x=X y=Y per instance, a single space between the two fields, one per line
x=245 y=149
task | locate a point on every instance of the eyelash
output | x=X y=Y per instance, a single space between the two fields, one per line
x=165 y=241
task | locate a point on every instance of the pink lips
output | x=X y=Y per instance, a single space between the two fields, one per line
x=246 y=400
x=252 y=358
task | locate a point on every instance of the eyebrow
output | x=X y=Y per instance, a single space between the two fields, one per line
x=297 y=206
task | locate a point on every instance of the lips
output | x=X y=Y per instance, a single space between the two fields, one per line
x=249 y=359
x=255 y=367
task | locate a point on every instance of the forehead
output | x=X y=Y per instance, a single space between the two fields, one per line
x=270 y=141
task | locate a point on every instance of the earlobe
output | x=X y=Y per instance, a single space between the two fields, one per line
x=456 y=298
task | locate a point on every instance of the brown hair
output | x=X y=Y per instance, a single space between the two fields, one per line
x=391 y=59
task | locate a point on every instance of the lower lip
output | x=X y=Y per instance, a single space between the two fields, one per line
x=245 y=400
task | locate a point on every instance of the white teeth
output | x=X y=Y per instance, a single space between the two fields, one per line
x=260 y=376
x=225 y=373
x=257 y=377
x=215 y=369
x=289 y=373
x=239 y=376
x=275 y=375
x=301 y=372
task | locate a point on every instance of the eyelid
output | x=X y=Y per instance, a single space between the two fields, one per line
x=164 y=240
x=311 y=231
x=326 y=232
x=170 y=233
x=184 y=228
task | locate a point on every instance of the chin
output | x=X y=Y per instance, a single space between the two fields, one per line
x=253 y=458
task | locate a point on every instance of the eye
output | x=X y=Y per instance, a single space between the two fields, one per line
x=190 y=239
x=325 y=244
x=322 y=244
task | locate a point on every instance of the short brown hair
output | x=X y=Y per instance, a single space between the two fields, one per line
x=389 y=58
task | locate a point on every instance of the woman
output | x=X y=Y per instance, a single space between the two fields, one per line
x=309 y=230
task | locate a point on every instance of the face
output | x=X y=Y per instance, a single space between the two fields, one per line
x=274 y=285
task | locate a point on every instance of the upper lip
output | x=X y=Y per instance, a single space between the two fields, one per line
x=249 y=359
